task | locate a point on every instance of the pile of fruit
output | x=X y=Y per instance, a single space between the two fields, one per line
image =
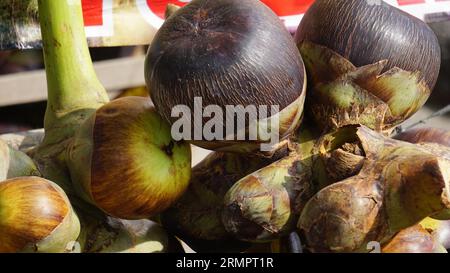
x=108 y=176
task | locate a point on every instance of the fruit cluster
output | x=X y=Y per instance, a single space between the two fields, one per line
x=337 y=180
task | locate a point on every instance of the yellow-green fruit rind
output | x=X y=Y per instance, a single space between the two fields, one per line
x=79 y=159
x=261 y=207
x=35 y=216
x=134 y=168
x=14 y=163
x=61 y=239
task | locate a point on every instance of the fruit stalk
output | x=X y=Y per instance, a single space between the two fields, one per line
x=118 y=156
x=398 y=185
x=74 y=92
x=264 y=205
x=72 y=82
x=196 y=217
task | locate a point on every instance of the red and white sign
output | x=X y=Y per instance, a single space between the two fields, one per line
x=98 y=14
x=98 y=17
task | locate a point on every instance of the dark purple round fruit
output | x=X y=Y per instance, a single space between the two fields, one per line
x=228 y=52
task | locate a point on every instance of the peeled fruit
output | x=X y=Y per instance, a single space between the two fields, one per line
x=124 y=161
x=36 y=216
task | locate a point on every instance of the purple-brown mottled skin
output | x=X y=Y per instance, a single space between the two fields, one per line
x=229 y=52
x=427 y=135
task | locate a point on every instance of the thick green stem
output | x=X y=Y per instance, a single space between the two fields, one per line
x=71 y=79
x=74 y=92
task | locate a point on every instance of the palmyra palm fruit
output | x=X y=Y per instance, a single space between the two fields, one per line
x=36 y=216
x=73 y=89
x=124 y=161
x=367 y=63
x=228 y=53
